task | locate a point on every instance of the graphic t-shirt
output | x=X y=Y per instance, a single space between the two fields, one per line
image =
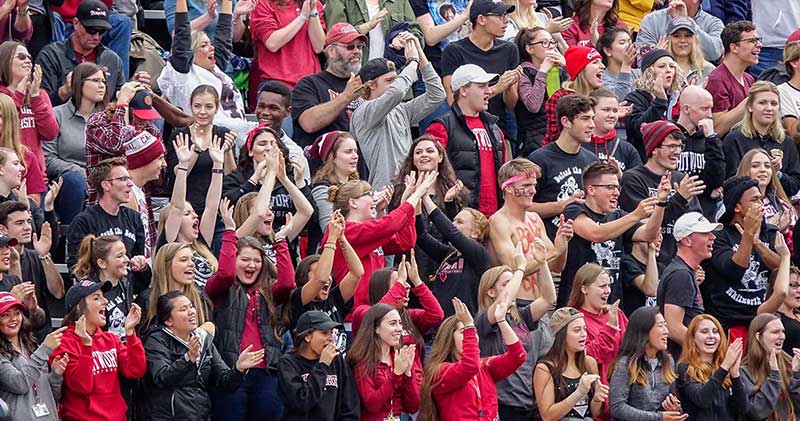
x=116 y=310
x=334 y=306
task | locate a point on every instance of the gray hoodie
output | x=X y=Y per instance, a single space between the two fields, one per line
x=767 y=399
x=17 y=378
x=634 y=402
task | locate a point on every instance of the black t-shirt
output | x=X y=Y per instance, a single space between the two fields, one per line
x=313 y=90
x=632 y=296
x=677 y=286
x=335 y=307
x=435 y=9
x=116 y=310
x=33 y=271
x=792 y=328
x=561 y=177
x=626 y=154
x=501 y=57
x=126 y=224
x=607 y=254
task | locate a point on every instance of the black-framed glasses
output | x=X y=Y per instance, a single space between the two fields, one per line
x=753 y=40
x=124 y=179
x=24 y=56
x=97 y=80
x=794 y=285
x=546 y=43
x=351 y=47
x=671 y=148
x=502 y=16
x=613 y=187
x=94 y=31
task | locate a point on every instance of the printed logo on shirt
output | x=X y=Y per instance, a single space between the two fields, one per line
x=569 y=185
x=446 y=269
x=584 y=43
x=116 y=317
x=351 y=106
x=607 y=257
x=482 y=138
x=26 y=122
x=118 y=232
x=304 y=377
x=691 y=163
x=754 y=280
x=332 y=380
x=104 y=361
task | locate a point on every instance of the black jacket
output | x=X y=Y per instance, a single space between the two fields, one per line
x=314 y=391
x=178 y=389
x=710 y=400
x=644 y=109
x=703 y=157
x=736 y=144
x=462 y=150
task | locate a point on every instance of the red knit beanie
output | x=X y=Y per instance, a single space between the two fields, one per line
x=654 y=133
x=577 y=58
x=143 y=149
x=323 y=147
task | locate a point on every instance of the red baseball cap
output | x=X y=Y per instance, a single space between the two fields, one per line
x=8 y=300
x=344 y=33
x=794 y=37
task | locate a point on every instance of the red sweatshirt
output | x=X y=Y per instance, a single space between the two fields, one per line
x=70 y=7
x=385 y=389
x=91 y=381
x=37 y=122
x=602 y=343
x=456 y=385
x=393 y=234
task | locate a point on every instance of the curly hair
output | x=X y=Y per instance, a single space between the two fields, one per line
x=647 y=81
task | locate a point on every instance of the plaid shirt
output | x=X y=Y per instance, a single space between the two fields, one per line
x=550 y=111
x=106 y=134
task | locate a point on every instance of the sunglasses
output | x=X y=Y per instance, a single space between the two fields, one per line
x=94 y=31
x=24 y=56
x=351 y=47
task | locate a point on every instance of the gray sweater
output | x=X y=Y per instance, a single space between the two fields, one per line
x=634 y=402
x=762 y=403
x=17 y=378
x=708 y=27
x=68 y=151
x=382 y=126
x=620 y=84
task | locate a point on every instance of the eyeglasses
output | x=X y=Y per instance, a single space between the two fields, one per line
x=367 y=193
x=502 y=16
x=124 y=179
x=98 y=80
x=753 y=40
x=94 y=31
x=24 y=56
x=351 y=47
x=794 y=285
x=545 y=43
x=671 y=148
x=612 y=187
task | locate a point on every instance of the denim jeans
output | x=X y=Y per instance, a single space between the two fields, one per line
x=69 y=202
x=256 y=399
x=768 y=58
x=118 y=38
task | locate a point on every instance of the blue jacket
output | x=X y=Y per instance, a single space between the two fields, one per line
x=729 y=10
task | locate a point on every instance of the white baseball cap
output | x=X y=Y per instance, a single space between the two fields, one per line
x=470 y=73
x=691 y=223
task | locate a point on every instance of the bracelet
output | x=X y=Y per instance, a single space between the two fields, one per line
x=45 y=257
x=217 y=171
x=662 y=204
x=329 y=246
x=501 y=321
x=314 y=14
x=521 y=270
x=181 y=168
x=410 y=59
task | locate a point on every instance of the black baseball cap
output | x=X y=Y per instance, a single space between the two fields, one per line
x=93 y=14
x=7 y=241
x=83 y=288
x=376 y=68
x=485 y=7
x=142 y=106
x=315 y=320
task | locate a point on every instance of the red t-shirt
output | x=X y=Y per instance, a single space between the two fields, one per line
x=727 y=91
x=487 y=200
x=574 y=35
x=250 y=333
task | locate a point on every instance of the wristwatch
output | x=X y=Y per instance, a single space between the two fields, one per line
x=313 y=14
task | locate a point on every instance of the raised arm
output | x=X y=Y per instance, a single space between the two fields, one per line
x=186 y=159
x=182 y=54
x=262 y=201
x=208 y=220
x=780 y=289
x=301 y=203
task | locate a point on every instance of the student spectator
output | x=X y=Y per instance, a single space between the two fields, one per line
x=702 y=152
x=704 y=25
x=458 y=384
x=737 y=275
x=378 y=21
x=542 y=75
x=528 y=318
x=639 y=271
x=107 y=131
x=36 y=263
x=525 y=16
x=585 y=68
x=315 y=289
x=387 y=378
x=65 y=157
x=655 y=96
x=24 y=364
x=664 y=142
x=643 y=357
x=606 y=142
x=15 y=157
x=16 y=22
x=462 y=253
x=684 y=45
x=790 y=91
x=246 y=293
x=782 y=295
x=602 y=229
x=708 y=374
x=108 y=216
x=59 y=58
x=11 y=282
x=12 y=176
x=679 y=298
x=104 y=259
x=566 y=380
x=205 y=18
x=619 y=53
x=145 y=157
x=605 y=323
x=778 y=209
x=323 y=102
x=314 y=381
x=485 y=48
x=761 y=128
x=88 y=393
x=778 y=74
x=183 y=364
x=339 y=153
x=776 y=20
x=592 y=18
x=382 y=124
x=769 y=376
x=474 y=143
x=287 y=36
x=274 y=108
x=729 y=83
x=197 y=60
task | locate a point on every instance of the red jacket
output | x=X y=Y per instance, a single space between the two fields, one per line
x=393 y=234
x=70 y=7
x=385 y=388
x=456 y=384
x=602 y=343
x=91 y=381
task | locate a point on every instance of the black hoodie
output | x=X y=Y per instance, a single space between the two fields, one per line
x=311 y=390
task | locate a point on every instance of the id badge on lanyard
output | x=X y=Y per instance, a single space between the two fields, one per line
x=39 y=409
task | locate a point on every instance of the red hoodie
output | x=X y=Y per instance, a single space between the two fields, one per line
x=456 y=385
x=91 y=381
x=602 y=343
x=385 y=389
x=70 y=7
x=393 y=234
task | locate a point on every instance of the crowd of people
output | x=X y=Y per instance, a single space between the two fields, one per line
x=400 y=210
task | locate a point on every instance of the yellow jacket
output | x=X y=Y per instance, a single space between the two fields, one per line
x=632 y=11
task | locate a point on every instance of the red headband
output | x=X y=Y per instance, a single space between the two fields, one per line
x=252 y=134
x=518 y=177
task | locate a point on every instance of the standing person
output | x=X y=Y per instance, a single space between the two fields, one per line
x=274 y=108
x=339 y=153
x=566 y=380
x=707 y=27
x=685 y=46
x=382 y=124
x=314 y=380
x=90 y=393
x=708 y=373
x=592 y=18
x=643 y=357
x=475 y=145
x=769 y=375
x=619 y=53
x=183 y=363
x=606 y=142
x=562 y=162
x=761 y=128
x=678 y=296
x=385 y=374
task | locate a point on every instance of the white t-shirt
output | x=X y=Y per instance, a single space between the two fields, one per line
x=141 y=204
x=790 y=100
x=376 y=39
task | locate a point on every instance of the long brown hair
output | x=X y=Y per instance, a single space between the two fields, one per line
x=757 y=362
x=327 y=173
x=26 y=340
x=557 y=359
x=379 y=284
x=698 y=370
x=584 y=277
x=266 y=277
x=774 y=183
x=583 y=13
x=441 y=352
x=487 y=282
x=80 y=73
x=8 y=50
x=366 y=347
x=445 y=180
x=9 y=135
x=162 y=275
x=634 y=344
x=90 y=251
